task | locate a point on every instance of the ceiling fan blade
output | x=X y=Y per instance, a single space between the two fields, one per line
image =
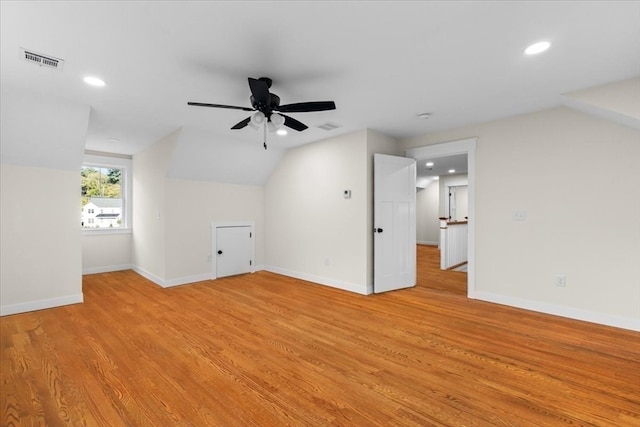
x=294 y=124
x=260 y=91
x=304 y=107
x=242 y=123
x=232 y=107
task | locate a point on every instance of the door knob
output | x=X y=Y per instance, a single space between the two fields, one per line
x=220 y=252
x=378 y=230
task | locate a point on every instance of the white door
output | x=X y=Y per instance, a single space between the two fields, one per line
x=394 y=222
x=458 y=203
x=234 y=249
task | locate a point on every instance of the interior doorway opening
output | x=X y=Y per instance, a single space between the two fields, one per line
x=428 y=155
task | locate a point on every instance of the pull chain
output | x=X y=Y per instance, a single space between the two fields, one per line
x=265 y=134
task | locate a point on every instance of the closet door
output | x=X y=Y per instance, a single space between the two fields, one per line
x=234 y=249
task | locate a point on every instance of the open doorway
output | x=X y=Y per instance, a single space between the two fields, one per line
x=456 y=156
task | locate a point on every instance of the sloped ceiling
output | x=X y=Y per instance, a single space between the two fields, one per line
x=212 y=162
x=618 y=102
x=32 y=133
x=383 y=63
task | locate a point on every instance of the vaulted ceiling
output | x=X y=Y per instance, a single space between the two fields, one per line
x=383 y=63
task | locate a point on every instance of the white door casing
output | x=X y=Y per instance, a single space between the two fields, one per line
x=394 y=223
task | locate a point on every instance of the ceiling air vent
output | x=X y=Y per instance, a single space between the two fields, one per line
x=329 y=126
x=41 y=60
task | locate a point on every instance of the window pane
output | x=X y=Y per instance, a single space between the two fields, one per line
x=101 y=197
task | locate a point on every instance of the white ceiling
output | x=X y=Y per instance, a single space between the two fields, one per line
x=442 y=166
x=382 y=62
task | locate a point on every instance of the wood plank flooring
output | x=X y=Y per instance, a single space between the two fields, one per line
x=430 y=276
x=266 y=350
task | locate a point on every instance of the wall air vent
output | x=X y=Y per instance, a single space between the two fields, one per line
x=41 y=60
x=329 y=126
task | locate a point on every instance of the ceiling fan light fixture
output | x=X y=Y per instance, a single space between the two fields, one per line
x=258 y=118
x=281 y=132
x=277 y=120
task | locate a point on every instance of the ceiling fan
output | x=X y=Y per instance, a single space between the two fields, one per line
x=268 y=111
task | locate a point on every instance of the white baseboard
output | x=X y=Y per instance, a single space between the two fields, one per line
x=427 y=242
x=171 y=282
x=105 y=269
x=185 y=280
x=144 y=273
x=339 y=284
x=563 y=311
x=23 y=307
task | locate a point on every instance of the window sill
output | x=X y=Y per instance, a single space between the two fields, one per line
x=106 y=231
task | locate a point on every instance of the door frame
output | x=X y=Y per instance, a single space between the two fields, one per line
x=462 y=146
x=214 y=246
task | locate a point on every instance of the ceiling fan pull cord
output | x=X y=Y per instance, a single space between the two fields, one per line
x=265 y=134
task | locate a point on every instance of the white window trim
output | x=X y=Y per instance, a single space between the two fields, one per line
x=126 y=191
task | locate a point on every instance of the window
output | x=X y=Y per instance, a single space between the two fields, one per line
x=104 y=194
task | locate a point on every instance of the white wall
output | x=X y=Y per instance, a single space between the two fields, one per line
x=427 y=214
x=41 y=154
x=149 y=213
x=41 y=263
x=108 y=251
x=172 y=217
x=554 y=165
x=191 y=207
x=312 y=231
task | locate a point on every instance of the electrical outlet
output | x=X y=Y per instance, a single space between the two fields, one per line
x=208 y=258
x=519 y=215
x=561 y=280
x=326 y=261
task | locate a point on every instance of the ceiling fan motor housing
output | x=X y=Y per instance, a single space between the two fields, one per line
x=266 y=109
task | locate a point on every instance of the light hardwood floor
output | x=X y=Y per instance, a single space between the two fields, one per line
x=430 y=276
x=266 y=350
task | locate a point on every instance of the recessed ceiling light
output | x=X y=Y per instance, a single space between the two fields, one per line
x=429 y=164
x=536 y=48
x=424 y=116
x=452 y=171
x=281 y=132
x=94 y=81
